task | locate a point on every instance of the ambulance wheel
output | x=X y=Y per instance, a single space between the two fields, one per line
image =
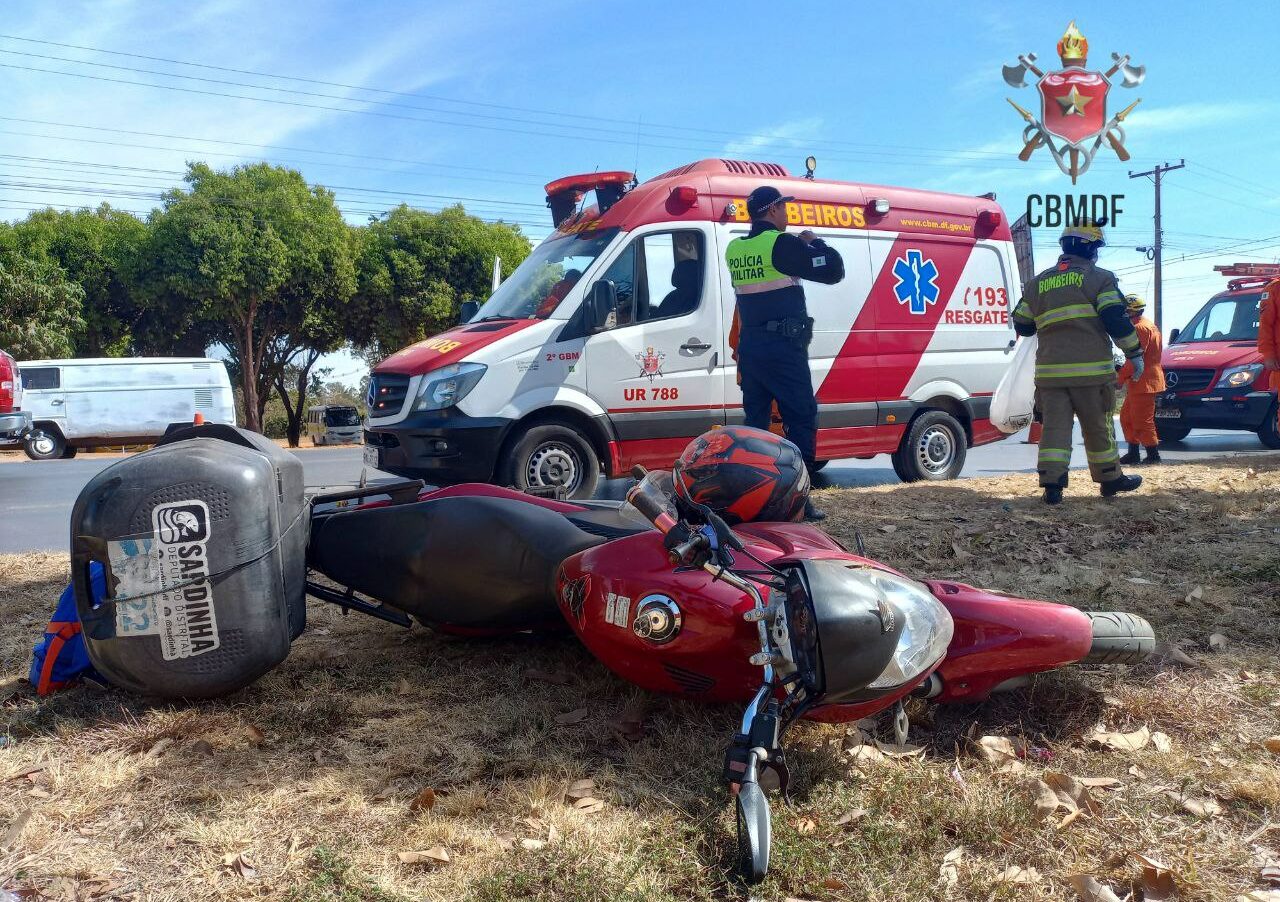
x=1171 y=433
x=933 y=447
x=69 y=453
x=552 y=454
x=44 y=444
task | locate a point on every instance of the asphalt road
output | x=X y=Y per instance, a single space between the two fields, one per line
x=36 y=497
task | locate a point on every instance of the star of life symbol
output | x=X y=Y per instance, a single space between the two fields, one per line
x=917 y=281
x=650 y=363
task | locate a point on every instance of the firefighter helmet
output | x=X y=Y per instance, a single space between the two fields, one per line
x=1134 y=304
x=744 y=475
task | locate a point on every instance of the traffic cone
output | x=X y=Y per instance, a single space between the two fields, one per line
x=198 y=419
x=1033 y=436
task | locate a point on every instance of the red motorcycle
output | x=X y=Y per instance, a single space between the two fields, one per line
x=669 y=597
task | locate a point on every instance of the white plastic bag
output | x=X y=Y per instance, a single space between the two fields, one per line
x=1016 y=394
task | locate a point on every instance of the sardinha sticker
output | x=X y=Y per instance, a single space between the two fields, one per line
x=164 y=584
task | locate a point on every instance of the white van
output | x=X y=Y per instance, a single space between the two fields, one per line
x=333 y=424
x=89 y=403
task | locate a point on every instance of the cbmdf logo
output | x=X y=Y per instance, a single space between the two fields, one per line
x=1073 y=123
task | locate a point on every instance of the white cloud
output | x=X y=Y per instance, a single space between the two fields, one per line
x=1193 y=116
x=799 y=133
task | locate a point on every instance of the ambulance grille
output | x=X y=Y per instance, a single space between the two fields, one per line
x=1190 y=379
x=749 y=167
x=204 y=397
x=387 y=392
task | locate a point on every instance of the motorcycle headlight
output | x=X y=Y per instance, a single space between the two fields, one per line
x=926 y=630
x=446 y=387
x=1239 y=376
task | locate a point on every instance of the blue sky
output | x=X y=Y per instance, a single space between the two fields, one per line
x=489 y=101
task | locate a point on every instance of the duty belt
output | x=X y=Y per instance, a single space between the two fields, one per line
x=790 y=327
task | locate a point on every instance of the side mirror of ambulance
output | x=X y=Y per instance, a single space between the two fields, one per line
x=600 y=303
x=467 y=311
x=1173 y=336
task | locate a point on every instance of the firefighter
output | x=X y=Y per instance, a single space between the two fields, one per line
x=1078 y=310
x=1269 y=331
x=1138 y=414
x=773 y=351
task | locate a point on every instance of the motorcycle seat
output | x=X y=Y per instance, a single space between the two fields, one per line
x=471 y=562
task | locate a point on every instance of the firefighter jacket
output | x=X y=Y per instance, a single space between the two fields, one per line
x=1152 y=380
x=1074 y=307
x=1269 y=327
x=766 y=268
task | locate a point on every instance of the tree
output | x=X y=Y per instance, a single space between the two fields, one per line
x=415 y=268
x=261 y=259
x=40 y=311
x=95 y=248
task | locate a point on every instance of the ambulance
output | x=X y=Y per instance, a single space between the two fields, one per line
x=1214 y=375
x=611 y=345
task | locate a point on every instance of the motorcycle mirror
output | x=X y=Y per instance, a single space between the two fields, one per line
x=754 y=831
x=724 y=534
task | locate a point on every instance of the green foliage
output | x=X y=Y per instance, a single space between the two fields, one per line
x=414 y=270
x=40 y=311
x=95 y=249
x=335 y=879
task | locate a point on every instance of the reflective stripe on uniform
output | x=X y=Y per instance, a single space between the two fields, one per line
x=1109 y=456
x=771 y=285
x=1109 y=298
x=1023 y=312
x=1129 y=342
x=1061 y=314
x=1072 y=370
x=1055 y=455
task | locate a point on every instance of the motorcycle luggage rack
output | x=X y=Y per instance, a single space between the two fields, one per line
x=402 y=492
x=348 y=602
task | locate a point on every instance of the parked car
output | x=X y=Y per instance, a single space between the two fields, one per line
x=333 y=424
x=14 y=421
x=89 y=403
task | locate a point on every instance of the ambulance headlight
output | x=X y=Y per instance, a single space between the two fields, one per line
x=446 y=387
x=1239 y=376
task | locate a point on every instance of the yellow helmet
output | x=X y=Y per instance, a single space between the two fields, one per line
x=1134 y=304
x=1085 y=231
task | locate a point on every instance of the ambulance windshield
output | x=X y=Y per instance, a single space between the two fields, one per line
x=541 y=282
x=1228 y=318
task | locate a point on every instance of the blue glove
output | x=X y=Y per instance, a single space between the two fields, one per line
x=1138 y=366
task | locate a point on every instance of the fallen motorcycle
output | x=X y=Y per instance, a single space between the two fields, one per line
x=660 y=588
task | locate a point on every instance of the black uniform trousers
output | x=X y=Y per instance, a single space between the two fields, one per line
x=774 y=367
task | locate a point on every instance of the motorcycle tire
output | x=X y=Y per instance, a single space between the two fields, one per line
x=754 y=832
x=1120 y=638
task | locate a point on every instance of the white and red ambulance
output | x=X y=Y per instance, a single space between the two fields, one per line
x=610 y=345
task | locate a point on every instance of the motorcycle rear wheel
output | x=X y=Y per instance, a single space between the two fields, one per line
x=1120 y=638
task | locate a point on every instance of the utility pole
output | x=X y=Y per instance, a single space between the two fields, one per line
x=1157 y=306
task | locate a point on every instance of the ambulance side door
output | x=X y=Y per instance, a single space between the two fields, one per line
x=656 y=366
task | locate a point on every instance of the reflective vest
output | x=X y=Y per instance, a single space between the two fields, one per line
x=751 y=265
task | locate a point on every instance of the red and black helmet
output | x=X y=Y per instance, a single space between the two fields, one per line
x=744 y=475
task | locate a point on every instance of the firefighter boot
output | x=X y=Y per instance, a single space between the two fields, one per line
x=1153 y=455
x=1053 y=493
x=1132 y=457
x=1113 y=487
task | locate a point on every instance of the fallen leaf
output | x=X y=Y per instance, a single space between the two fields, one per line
x=1090 y=890
x=949 y=871
x=577 y=715
x=1015 y=874
x=867 y=753
x=26 y=773
x=1158 y=884
x=435 y=856
x=1139 y=581
x=1170 y=652
x=1100 y=782
x=1198 y=807
x=1260 y=895
x=159 y=748
x=1161 y=741
x=256 y=736
x=588 y=805
x=1135 y=771
x=546 y=676
x=1217 y=642
x=15 y=829
x=241 y=864
x=403 y=687
x=506 y=841
x=552 y=834
x=1071 y=793
x=899 y=751
x=833 y=883
x=533 y=845
x=1000 y=749
x=1195 y=594
x=806 y=825
x=850 y=818
x=1123 y=742
x=888 y=527
x=1272 y=745
x=424 y=801
x=580 y=789
x=1044 y=799
x=1070 y=819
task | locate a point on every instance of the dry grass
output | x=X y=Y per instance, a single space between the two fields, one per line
x=311 y=773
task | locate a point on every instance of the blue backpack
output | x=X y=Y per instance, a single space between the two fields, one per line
x=61 y=657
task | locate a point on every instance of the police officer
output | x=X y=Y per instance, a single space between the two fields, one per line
x=1078 y=311
x=773 y=350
